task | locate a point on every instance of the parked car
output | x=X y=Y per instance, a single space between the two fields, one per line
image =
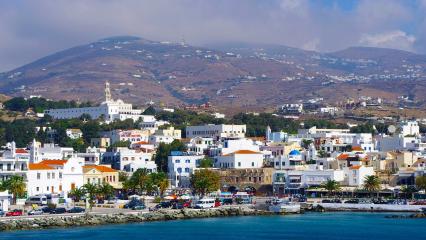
x=165 y=204
x=46 y=209
x=13 y=213
x=133 y=203
x=205 y=203
x=227 y=201
x=2 y=213
x=76 y=210
x=35 y=212
x=58 y=210
x=38 y=200
x=355 y=201
x=139 y=207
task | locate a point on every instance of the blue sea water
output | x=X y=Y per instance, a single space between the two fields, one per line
x=310 y=226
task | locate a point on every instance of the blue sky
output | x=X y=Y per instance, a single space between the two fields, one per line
x=33 y=29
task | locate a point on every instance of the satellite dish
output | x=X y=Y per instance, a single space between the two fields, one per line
x=391 y=129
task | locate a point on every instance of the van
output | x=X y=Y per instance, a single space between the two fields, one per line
x=205 y=203
x=38 y=200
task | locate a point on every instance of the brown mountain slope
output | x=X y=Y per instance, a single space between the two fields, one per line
x=140 y=70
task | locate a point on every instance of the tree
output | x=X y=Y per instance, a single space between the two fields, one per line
x=77 y=194
x=16 y=185
x=122 y=176
x=163 y=152
x=421 y=182
x=372 y=184
x=205 y=181
x=41 y=136
x=105 y=191
x=91 y=190
x=331 y=186
x=306 y=143
x=149 y=111
x=408 y=191
x=163 y=185
x=125 y=144
x=206 y=162
x=140 y=180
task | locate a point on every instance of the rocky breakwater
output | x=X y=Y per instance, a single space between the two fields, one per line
x=117 y=218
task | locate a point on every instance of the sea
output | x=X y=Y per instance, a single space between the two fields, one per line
x=332 y=225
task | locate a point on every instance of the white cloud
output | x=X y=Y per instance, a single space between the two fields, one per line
x=394 y=39
x=33 y=29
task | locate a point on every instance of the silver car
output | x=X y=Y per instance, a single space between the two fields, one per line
x=35 y=212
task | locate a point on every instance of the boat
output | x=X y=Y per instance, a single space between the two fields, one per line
x=284 y=206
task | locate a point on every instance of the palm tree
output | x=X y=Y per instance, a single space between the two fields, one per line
x=105 y=191
x=16 y=185
x=77 y=194
x=142 y=178
x=91 y=190
x=408 y=191
x=331 y=186
x=163 y=185
x=372 y=184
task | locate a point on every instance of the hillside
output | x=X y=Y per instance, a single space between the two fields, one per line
x=242 y=76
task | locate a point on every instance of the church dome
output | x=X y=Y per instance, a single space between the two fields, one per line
x=294 y=152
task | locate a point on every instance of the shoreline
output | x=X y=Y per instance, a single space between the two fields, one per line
x=89 y=219
x=94 y=219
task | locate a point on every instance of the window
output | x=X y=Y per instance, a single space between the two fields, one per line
x=239 y=164
x=252 y=164
x=38 y=175
x=37 y=189
x=177 y=161
x=179 y=170
x=53 y=175
x=187 y=170
x=60 y=175
x=187 y=161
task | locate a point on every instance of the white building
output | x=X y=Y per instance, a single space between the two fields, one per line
x=240 y=159
x=232 y=145
x=43 y=179
x=216 y=131
x=132 y=136
x=70 y=173
x=5 y=201
x=356 y=174
x=48 y=151
x=199 y=145
x=181 y=165
x=14 y=162
x=399 y=142
x=291 y=181
x=109 y=110
x=74 y=133
x=292 y=108
x=410 y=128
x=129 y=160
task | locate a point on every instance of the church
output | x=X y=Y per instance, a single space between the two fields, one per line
x=109 y=110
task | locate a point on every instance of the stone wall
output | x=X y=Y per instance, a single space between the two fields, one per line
x=52 y=221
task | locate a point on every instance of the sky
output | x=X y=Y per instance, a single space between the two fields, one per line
x=33 y=29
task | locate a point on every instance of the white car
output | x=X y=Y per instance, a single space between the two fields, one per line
x=205 y=203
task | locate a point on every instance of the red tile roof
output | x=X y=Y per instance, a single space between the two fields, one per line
x=343 y=156
x=21 y=150
x=100 y=168
x=39 y=166
x=242 y=152
x=357 y=148
x=54 y=162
